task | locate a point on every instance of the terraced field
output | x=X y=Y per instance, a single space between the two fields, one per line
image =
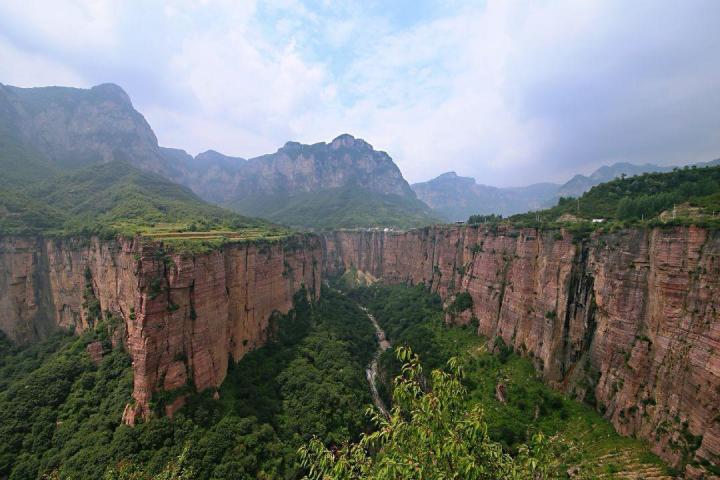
x=244 y=234
x=203 y=241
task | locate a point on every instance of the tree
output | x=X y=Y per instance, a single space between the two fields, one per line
x=177 y=469
x=429 y=435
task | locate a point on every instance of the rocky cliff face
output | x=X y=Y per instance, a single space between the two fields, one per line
x=294 y=169
x=211 y=175
x=184 y=315
x=304 y=168
x=43 y=283
x=195 y=312
x=74 y=127
x=626 y=320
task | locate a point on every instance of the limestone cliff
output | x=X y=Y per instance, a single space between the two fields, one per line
x=628 y=320
x=184 y=315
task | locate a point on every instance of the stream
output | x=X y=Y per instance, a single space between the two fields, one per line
x=371 y=372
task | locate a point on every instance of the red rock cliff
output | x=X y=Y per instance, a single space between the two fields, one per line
x=43 y=282
x=184 y=315
x=629 y=320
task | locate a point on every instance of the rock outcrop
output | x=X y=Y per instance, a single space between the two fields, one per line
x=195 y=312
x=184 y=315
x=629 y=321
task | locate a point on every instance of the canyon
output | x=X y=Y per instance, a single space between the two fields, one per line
x=625 y=320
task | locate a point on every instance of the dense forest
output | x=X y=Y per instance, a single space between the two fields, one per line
x=62 y=413
x=283 y=404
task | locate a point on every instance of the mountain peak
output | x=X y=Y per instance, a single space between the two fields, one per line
x=451 y=174
x=291 y=144
x=112 y=91
x=213 y=156
x=348 y=141
x=344 y=137
x=452 y=178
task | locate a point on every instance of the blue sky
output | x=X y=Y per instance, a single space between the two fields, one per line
x=509 y=92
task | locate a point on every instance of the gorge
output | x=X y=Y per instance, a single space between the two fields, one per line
x=625 y=320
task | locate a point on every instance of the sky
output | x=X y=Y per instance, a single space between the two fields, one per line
x=509 y=92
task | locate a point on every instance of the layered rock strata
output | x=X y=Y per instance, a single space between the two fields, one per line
x=184 y=315
x=628 y=321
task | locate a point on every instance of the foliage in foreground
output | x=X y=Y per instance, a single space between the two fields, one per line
x=414 y=317
x=431 y=434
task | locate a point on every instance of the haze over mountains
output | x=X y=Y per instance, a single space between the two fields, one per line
x=157 y=259
x=455 y=198
x=343 y=183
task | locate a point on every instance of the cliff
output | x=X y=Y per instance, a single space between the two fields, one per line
x=74 y=127
x=184 y=315
x=628 y=321
x=344 y=183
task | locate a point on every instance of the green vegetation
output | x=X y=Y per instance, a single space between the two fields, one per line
x=19 y=163
x=463 y=301
x=580 y=436
x=430 y=434
x=62 y=413
x=346 y=207
x=480 y=219
x=117 y=198
x=640 y=200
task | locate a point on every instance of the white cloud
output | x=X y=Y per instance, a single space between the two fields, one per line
x=253 y=86
x=28 y=70
x=76 y=24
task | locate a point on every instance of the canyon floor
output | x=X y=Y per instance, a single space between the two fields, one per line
x=311 y=380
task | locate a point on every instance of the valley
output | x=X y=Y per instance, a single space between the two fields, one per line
x=171 y=316
x=607 y=319
x=308 y=380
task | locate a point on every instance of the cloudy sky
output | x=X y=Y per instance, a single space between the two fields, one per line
x=510 y=92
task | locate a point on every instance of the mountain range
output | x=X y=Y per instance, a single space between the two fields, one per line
x=455 y=198
x=344 y=183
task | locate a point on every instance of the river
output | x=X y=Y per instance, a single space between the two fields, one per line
x=371 y=372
